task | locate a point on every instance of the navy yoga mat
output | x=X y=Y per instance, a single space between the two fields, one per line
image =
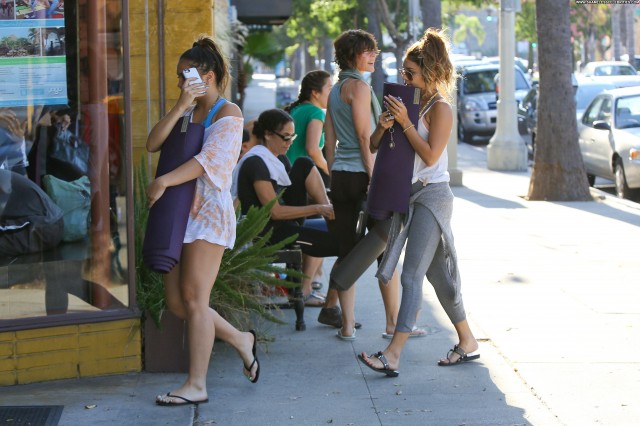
x=168 y=217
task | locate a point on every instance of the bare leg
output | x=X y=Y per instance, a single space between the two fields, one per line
x=310 y=265
x=466 y=341
x=391 y=300
x=188 y=289
x=347 y=302
x=392 y=352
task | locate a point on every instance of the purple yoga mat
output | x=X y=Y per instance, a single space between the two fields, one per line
x=168 y=217
x=390 y=187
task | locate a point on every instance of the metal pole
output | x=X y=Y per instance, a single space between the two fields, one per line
x=507 y=150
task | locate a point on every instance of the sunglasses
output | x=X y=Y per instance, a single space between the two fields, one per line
x=408 y=75
x=375 y=52
x=286 y=138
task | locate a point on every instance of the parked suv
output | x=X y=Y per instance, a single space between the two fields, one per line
x=477 y=103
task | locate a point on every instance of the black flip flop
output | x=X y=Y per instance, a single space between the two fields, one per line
x=176 y=404
x=255 y=359
x=464 y=357
x=385 y=365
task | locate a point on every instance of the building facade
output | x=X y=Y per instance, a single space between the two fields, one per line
x=81 y=84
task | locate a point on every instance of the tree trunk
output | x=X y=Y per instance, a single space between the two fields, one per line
x=431 y=14
x=327 y=52
x=629 y=13
x=558 y=172
x=616 y=15
x=373 y=26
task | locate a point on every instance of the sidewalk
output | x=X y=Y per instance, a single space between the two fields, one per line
x=551 y=289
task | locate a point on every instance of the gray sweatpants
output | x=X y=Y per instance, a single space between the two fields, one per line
x=424 y=254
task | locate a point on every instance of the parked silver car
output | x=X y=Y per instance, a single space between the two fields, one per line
x=609 y=138
x=477 y=103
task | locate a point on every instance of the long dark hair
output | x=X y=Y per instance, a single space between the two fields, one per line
x=313 y=80
x=349 y=44
x=272 y=120
x=207 y=56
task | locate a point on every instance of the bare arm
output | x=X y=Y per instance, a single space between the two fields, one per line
x=162 y=129
x=265 y=192
x=186 y=172
x=440 y=122
x=384 y=122
x=361 y=111
x=312 y=145
x=330 y=140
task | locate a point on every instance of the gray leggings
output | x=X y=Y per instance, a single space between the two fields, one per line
x=424 y=254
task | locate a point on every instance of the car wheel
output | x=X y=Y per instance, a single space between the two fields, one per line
x=622 y=189
x=463 y=135
x=591 y=179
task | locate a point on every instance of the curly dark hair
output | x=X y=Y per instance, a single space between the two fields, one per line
x=351 y=43
x=206 y=56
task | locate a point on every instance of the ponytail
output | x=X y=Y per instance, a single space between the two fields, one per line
x=313 y=80
x=206 y=55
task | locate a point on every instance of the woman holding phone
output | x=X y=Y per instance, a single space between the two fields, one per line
x=212 y=221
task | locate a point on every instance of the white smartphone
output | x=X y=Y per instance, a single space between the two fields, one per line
x=192 y=72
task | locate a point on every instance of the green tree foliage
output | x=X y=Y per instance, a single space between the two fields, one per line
x=468 y=24
x=264 y=46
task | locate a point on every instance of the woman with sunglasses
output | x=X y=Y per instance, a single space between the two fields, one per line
x=264 y=171
x=351 y=115
x=427 y=226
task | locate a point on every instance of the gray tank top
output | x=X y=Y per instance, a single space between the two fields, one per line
x=348 y=157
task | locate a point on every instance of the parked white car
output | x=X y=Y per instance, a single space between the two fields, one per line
x=609 y=138
x=608 y=68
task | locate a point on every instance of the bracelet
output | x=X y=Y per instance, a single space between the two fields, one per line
x=408 y=127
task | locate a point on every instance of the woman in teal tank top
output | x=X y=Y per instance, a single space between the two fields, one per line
x=308 y=117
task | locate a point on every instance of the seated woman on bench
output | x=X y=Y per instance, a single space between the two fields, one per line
x=264 y=171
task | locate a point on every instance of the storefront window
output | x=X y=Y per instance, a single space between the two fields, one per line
x=63 y=152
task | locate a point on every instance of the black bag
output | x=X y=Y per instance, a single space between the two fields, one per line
x=68 y=157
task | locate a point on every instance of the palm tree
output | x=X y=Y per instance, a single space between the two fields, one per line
x=558 y=172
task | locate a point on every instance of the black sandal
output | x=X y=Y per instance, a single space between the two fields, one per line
x=255 y=360
x=464 y=357
x=385 y=364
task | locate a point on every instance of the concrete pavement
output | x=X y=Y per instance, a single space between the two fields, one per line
x=551 y=290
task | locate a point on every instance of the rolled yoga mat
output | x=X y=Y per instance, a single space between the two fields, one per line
x=390 y=187
x=168 y=217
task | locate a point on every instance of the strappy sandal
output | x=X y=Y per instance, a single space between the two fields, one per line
x=385 y=364
x=464 y=357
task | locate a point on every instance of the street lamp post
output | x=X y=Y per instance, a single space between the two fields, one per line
x=507 y=151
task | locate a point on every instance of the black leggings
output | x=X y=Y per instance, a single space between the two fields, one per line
x=312 y=241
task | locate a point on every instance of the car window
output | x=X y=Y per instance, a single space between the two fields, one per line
x=614 y=70
x=480 y=82
x=591 y=114
x=586 y=93
x=521 y=82
x=628 y=112
x=605 y=110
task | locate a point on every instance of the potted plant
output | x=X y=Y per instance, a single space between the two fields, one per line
x=236 y=296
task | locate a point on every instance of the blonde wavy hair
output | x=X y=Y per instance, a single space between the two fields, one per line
x=431 y=53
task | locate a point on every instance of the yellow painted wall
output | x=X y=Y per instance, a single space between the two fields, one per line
x=184 y=20
x=70 y=352
x=115 y=347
